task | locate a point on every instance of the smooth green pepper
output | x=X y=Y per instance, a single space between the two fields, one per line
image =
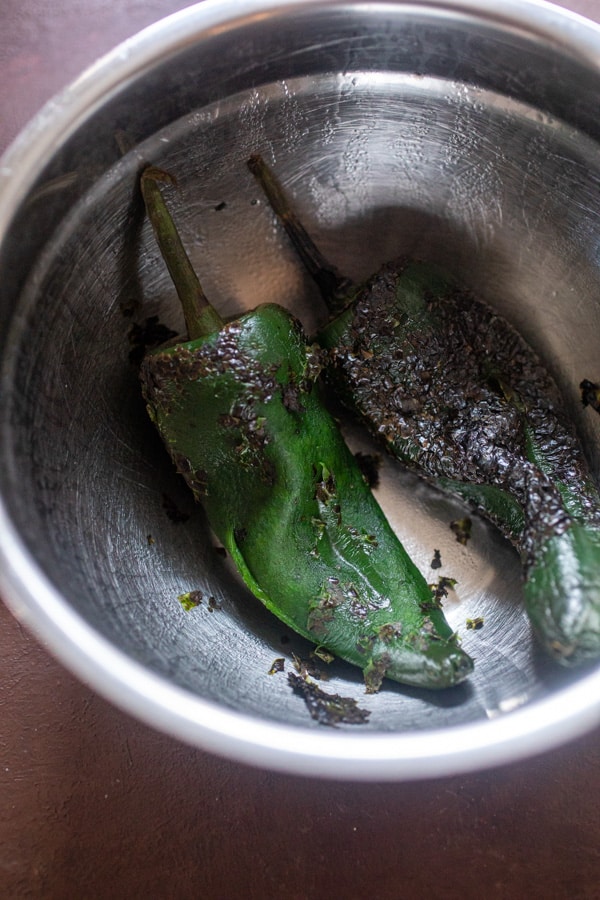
x=240 y=411
x=455 y=392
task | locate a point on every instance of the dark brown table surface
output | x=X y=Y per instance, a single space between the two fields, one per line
x=95 y=805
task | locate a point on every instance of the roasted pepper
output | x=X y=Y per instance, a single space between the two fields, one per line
x=455 y=392
x=240 y=411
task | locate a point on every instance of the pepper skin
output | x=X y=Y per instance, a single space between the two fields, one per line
x=456 y=393
x=240 y=411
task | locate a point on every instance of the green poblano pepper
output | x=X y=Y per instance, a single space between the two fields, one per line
x=240 y=411
x=455 y=392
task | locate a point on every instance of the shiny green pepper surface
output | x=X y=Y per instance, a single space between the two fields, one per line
x=242 y=417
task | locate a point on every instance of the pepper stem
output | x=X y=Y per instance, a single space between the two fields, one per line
x=334 y=287
x=201 y=318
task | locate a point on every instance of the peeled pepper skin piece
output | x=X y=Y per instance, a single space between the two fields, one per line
x=242 y=417
x=457 y=394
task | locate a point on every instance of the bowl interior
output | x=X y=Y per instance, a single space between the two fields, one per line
x=436 y=135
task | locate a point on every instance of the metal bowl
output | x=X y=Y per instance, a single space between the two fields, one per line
x=447 y=129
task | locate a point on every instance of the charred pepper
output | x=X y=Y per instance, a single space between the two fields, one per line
x=240 y=411
x=454 y=391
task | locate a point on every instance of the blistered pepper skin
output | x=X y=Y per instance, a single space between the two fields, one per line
x=241 y=414
x=480 y=416
x=455 y=392
x=243 y=420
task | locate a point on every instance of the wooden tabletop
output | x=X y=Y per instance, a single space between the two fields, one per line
x=95 y=805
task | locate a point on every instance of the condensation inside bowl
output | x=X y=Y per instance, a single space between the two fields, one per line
x=378 y=166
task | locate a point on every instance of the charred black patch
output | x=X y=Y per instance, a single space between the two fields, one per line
x=309 y=668
x=327 y=709
x=291 y=398
x=439 y=592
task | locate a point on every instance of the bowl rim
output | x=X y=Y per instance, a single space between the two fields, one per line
x=539 y=726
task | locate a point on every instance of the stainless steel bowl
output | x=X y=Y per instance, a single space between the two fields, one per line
x=447 y=129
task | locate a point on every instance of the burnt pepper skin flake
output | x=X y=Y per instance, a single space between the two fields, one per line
x=456 y=393
x=326 y=708
x=436 y=562
x=278 y=665
x=462 y=529
x=239 y=407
